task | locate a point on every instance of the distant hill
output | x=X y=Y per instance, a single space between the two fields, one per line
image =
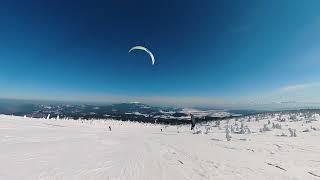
x=122 y=111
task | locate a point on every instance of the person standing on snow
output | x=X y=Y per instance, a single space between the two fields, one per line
x=193 y=121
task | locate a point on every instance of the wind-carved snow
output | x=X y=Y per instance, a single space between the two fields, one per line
x=254 y=147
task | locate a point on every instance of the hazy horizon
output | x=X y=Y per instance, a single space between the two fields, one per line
x=273 y=106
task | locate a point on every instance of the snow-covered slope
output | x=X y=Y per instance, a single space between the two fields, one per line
x=73 y=150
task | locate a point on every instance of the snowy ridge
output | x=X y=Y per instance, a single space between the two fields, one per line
x=271 y=146
x=209 y=113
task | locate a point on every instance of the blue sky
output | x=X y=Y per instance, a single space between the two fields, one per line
x=208 y=52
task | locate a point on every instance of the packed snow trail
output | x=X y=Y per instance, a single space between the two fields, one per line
x=72 y=150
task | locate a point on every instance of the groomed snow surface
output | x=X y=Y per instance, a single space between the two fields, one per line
x=73 y=150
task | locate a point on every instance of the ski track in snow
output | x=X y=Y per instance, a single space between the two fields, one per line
x=72 y=150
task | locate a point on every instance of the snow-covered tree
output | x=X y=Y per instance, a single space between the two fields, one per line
x=248 y=130
x=232 y=129
x=265 y=128
x=228 y=136
x=242 y=129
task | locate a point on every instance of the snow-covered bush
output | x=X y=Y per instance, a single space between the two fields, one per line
x=207 y=130
x=242 y=129
x=276 y=126
x=237 y=128
x=198 y=132
x=283 y=134
x=292 y=132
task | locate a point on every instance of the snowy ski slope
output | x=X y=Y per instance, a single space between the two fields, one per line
x=73 y=150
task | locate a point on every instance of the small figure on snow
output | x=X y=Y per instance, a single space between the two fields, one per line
x=109 y=128
x=193 y=121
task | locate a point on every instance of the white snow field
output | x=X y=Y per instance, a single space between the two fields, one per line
x=73 y=150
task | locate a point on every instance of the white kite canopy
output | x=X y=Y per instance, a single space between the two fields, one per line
x=144 y=49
